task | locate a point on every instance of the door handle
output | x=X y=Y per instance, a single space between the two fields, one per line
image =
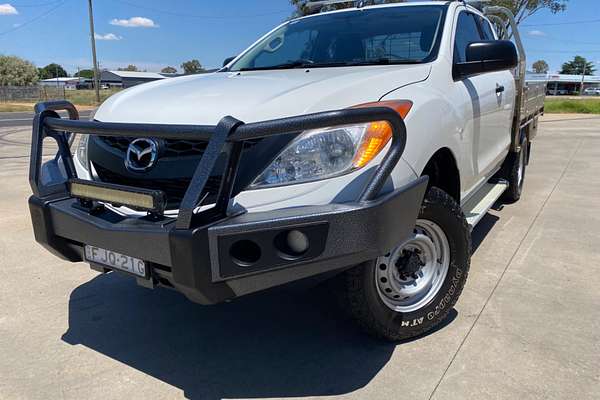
x=499 y=89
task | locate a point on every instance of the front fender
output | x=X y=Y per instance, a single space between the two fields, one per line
x=431 y=125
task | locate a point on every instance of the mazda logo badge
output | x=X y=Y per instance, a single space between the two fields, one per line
x=141 y=155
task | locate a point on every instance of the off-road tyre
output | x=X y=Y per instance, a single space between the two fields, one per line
x=513 y=170
x=358 y=294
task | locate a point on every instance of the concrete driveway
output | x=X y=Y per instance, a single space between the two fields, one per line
x=526 y=327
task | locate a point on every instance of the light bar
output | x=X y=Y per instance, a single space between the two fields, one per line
x=153 y=201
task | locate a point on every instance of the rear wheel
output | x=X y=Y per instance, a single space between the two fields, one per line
x=513 y=171
x=411 y=290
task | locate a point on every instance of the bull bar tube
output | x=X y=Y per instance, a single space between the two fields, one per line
x=195 y=251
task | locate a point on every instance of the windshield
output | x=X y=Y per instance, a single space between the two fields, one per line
x=388 y=35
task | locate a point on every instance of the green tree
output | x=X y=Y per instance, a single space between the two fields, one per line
x=521 y=8
x=52 y=70
x=540 y=67
x=85 y=73
x=15 y=71
x=169 y=70
x=130 y=67
x=578 y=66
x=192 y=67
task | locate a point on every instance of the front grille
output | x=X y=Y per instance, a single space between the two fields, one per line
x=173 y=147
x=174 y=188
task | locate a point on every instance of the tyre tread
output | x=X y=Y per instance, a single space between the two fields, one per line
x=510 y=172
x=352 y=293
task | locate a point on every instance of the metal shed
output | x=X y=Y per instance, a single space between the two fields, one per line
x=126 y=79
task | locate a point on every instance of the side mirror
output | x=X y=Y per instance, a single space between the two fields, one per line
x=228 y=60
x=487 y=56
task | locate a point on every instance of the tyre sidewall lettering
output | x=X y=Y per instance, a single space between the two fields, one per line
x=447 y=297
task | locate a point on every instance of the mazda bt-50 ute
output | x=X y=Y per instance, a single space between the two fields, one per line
x=360 y=145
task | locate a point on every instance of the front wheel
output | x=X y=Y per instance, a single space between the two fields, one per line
x=411 y=290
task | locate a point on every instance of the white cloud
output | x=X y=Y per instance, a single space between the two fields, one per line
x=108 y=36
x=134 y=22
x=7 y=9
x=536 y=33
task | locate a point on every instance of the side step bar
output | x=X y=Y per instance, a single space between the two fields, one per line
x=481 y=202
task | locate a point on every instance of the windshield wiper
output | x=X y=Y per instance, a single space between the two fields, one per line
x=385 y=61
x=287 y=65
x=302 y=63
x=305 y=63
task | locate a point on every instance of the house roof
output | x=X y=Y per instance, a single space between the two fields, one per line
x=137 y=74
x=65 y=79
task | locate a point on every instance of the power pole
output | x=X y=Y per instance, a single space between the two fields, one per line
x=94 y=59
x=583 y=78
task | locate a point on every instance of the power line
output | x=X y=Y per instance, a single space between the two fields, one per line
x=168 y=12
x=564 y=40
x=586 y=21
x=34 y=19
x=48 y=3
x=564 y=51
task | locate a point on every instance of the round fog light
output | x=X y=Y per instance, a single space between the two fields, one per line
x=297 y=241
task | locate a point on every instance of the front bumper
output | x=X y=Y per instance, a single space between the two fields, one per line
x=220 y=254
x=199 y=263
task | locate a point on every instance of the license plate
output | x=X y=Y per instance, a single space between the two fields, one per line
x=115 y=260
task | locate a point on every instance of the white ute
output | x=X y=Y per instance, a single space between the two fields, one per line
x=363 y=146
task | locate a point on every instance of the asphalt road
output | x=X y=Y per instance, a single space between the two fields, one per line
x=526 y=327
x=17 y=119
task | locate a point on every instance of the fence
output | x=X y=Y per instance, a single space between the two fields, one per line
x=31 y=93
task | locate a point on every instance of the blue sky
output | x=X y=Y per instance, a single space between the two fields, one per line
x=170 y=32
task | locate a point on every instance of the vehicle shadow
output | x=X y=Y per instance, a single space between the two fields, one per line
x=482 y=229
x=285 y=343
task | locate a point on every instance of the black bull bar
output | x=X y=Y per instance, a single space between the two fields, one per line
x=187 y=250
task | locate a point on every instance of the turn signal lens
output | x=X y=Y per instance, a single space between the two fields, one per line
x=378 y=133
x=377 y=136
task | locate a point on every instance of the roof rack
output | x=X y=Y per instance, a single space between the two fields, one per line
x=328 y=5
x=325 y=5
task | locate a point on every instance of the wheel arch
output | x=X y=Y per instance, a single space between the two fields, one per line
x=443 y=173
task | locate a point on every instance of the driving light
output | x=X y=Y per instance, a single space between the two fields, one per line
x=138 y=199
x=297 y=241
x=330 y=152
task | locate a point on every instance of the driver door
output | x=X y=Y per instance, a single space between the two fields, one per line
x=487 y=104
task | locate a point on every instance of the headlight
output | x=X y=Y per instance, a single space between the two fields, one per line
x=82 y=151
x=82 y=145
x=330 y=152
